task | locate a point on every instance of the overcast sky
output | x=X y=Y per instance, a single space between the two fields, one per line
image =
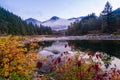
x=45 y=9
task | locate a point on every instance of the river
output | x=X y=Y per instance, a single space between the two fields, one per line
x=110 y=47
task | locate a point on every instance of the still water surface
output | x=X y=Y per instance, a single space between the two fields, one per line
x=112 y=48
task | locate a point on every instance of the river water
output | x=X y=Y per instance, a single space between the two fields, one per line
x=110 y=47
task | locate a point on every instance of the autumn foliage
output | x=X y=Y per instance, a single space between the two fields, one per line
x=80 y=66
x=16 y=61
x=19 y=61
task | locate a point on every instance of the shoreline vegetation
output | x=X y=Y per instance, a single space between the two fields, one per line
x=20 y=61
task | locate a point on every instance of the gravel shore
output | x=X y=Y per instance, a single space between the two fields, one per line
x=86 y=37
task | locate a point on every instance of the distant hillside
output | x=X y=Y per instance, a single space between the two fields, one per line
x=117 y=11
x=13 y=24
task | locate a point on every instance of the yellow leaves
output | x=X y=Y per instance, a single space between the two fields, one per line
x=6 y=74
x=10 y=55
x=23 y=50
x=33 y=45
x=15 y=57
x=5 y=60
x=19 y=67
x=6 y=66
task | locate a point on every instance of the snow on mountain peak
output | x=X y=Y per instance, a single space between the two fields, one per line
x=55 y=22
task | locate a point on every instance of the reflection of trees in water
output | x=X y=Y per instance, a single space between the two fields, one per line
x=109 y=47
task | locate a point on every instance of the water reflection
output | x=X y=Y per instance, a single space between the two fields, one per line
x=56 y=48
x=110 y=47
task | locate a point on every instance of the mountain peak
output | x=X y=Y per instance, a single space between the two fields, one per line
x=56 y=23
x=54 y=18
x=33 y=21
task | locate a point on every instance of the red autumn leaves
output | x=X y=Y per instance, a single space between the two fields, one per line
x=39 y=64
x=98 y=56
x=78 y=66
x=79 y=63
x=73 y=47
x=65 y=45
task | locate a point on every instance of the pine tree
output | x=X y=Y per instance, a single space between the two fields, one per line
x=107 y=9
x=105 y=16
x=13 y=24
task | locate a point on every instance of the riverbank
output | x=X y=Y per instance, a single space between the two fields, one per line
x=85 y=37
